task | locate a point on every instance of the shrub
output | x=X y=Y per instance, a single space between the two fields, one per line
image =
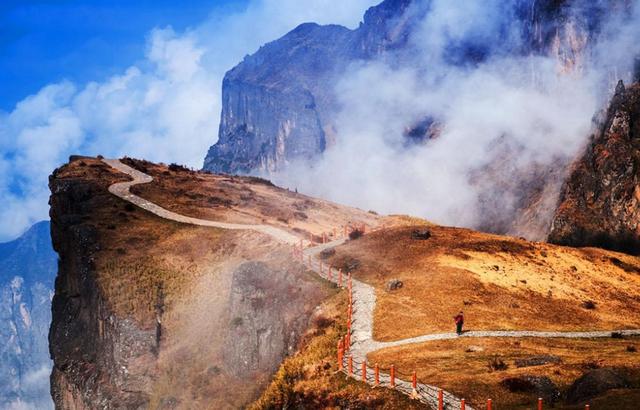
x=589 y=304
x=322 y=322
x=355 y=234
x=631 y=349
x=497 y=364
x=178 y=168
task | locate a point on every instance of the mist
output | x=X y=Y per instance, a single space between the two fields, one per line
x=504 y=126
x=164 y=108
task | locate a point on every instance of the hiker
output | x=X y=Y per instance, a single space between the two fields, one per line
x=459 y=319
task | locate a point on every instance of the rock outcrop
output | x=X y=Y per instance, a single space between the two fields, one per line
x=600 y=201
x=27 y=272
x=279 y=104
x=149 y=313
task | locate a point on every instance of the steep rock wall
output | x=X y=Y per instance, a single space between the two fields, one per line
x=600 y=201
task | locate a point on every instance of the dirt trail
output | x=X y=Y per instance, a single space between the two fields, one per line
x=364 y=295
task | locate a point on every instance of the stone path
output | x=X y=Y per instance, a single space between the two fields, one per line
x=121 y=189
x=364 y=296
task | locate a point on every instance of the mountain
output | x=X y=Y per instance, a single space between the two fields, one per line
x=202 y=304
x=600 y=201
x=283 y=111
x=279 y=104
x=27 y=271
x=152 y=313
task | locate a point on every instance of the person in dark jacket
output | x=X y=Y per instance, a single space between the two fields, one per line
x=459 y=319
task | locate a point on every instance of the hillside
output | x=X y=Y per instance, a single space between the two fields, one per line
x=532 y=299
x=153 y=312
x=502 y=283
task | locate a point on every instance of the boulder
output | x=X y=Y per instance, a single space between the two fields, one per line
x=542 y=386
x=327 y=253
x=594 y=383
x=421 y=234
x=537 y=360
x=394 y=284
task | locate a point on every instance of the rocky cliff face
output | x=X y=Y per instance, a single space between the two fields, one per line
x=279 y=103
x=27 y=272
x=600 y=201
x=148 y=313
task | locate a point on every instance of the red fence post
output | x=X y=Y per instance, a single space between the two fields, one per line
x=414 y=381
x=587 y=407
x=463 y=405
x=364 y=371
x=393 y=376
x=340 y=354
x=489 y=404
x=377 y=375
x=540 y=403
x=350 y=365
x=440 y=400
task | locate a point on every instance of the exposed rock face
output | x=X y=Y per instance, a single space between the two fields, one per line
x=279 y=104
x=27 y=272
x=266 y=325
x=100 y=360
x=600 y=201
x=148 y=313
x=594 y=383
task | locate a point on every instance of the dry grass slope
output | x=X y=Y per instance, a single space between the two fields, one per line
x=501 y=283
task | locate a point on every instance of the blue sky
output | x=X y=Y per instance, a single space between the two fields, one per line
x=124 y=77
x=48 y=41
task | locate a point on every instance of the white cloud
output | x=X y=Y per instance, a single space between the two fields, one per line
x=164 y=109
x=524 y=104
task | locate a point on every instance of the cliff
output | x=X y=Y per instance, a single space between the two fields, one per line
x=27 y=272
x=281 y=107
x=600 y=201
x=153 y=313
x=279 y=104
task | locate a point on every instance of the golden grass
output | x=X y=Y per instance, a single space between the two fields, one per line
x=309 y=379
x=244 y=200
x=453 y=365
x=501 y=283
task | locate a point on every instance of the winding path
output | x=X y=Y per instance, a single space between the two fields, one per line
x=364 y=296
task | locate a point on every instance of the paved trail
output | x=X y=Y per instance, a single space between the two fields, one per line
x=364 y=295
